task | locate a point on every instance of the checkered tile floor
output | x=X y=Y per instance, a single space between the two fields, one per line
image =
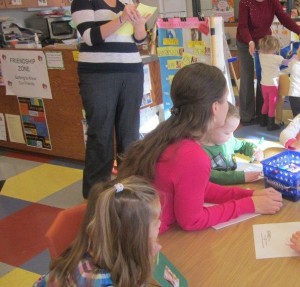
x=33 y=189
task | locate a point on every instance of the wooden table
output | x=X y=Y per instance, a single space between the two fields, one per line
x=226 y=257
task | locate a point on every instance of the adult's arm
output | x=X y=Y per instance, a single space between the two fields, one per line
x=243 y=22
x=285 y=19
x=192 y=189
x=92 y=32
x=139 y=25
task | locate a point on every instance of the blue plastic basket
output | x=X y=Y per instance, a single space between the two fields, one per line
x=282 y=172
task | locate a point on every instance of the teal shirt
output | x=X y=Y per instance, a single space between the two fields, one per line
x=223 y=161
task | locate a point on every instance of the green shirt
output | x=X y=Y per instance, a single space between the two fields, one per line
x=223 y=161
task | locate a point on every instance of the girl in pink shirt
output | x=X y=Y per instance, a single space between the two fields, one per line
x=172 y=157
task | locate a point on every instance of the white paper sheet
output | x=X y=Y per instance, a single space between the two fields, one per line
x=271 y=240
x=246 y=166
x=235 y=220
x=232 y=221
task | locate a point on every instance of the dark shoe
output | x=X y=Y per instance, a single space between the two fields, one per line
x=263 y=120
x=271 y=124
x=250 y=123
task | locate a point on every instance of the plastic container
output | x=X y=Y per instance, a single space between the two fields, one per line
x=282 y=172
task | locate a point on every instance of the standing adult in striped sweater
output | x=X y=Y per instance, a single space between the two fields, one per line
x=111 y=80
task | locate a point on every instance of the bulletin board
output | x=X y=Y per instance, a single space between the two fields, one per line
x=183 y=41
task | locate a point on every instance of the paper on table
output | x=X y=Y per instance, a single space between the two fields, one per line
x=271 y=240
x=232 y=221
x=127 y=28
x=235 y=220
x=246 y=166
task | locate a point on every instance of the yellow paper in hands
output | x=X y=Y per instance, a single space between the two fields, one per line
x=127 y=28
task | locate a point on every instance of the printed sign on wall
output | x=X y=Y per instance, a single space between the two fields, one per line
x=25 y=73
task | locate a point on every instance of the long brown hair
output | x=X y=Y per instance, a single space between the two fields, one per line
x=194 y=89
x=116 y=234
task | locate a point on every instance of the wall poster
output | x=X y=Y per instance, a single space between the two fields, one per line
x=183 y=41
x=34 y=122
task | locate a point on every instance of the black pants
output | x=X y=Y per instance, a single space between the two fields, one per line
x=112 y=104
x=250 y=105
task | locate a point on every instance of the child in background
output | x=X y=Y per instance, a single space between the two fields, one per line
x=117 y=242
x=270 y=62
x=290 y=136
x=221 y=146
x=172 y=157
x=294 y=91
x=295 y=241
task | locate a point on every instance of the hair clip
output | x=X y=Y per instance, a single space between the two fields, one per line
x=119 y=187
x=175 y=111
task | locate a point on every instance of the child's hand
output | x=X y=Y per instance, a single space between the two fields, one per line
x=252 y=175
x=267 y=201
x=295 y=241
x=295 y=145
x=258 y=155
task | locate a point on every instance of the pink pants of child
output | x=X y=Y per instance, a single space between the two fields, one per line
x=270 y=95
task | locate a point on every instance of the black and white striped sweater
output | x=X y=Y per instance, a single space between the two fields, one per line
x=117 y=53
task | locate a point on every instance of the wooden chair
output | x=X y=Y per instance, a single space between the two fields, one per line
x=64 y=229
x=283 y=91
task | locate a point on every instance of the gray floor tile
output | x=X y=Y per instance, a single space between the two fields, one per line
x=5 y=268
x=38 y=264
x=10 y=205
x=66 y=197
x=10 y=167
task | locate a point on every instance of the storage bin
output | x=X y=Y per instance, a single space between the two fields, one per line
x=282 y=172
